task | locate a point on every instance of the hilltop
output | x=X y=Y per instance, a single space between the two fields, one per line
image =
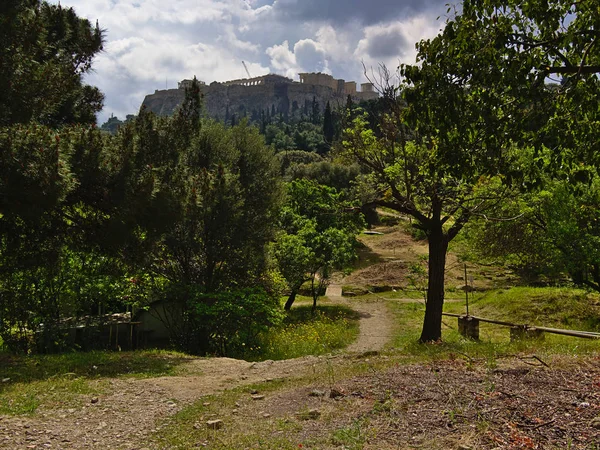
x=271 y=93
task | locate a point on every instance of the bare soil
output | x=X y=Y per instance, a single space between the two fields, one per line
x=453 y=404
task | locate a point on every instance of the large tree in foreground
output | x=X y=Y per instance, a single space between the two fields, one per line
x=478 y=92
x=45 y=50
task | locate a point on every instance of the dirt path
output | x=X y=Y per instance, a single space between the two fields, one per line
x=376 y=324
x=128 y=410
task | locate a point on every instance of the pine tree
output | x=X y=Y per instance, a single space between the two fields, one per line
x=328 y=128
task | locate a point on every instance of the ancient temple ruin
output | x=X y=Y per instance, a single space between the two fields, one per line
x=250 y=96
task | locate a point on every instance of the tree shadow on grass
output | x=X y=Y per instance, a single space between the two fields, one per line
x=95 y=364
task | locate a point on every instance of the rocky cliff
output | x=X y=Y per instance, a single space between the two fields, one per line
x=222 y=100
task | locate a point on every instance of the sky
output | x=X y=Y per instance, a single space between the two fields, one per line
x=153 y=44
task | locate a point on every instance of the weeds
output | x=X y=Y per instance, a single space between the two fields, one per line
x=352 y=436
x=306 y=333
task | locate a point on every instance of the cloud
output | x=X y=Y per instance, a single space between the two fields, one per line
x=384 y=42
x=343 y=11
x=307 y=55
x=150 y=41
x=394 y=42
x=283 y=60
x=311 y=56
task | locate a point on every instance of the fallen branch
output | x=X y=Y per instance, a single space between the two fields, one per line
x=533 y=357
x=540 y=425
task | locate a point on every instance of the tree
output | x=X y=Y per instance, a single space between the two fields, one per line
x=414 y=179
x=45 y=52
x=328 y=125
x=554 y=231
x=315 y=113
x=477 y=94
x=318 y=230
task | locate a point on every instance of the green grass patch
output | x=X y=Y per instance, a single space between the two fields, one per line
x=303 y=332
x=351 y=437
x=60 y=392
x=187 y=429
x=542 y=306
x=26 y=382
x=96 y=364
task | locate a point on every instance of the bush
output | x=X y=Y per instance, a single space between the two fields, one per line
x=221 y=323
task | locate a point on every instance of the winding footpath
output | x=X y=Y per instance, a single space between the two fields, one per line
x=376 y=324
x=126 y=412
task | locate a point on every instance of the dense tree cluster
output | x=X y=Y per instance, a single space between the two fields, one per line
x=168 y=209
x=213 y=218
x=178 y=210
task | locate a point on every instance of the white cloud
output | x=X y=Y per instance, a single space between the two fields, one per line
x=394 y=43
x=283 y=60
x=150 y=41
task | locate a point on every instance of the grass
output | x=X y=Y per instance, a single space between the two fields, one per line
x=303 y=332
x=248 y=429
x=351 y=437
x=551 y=307
x=96 y=364
x=187 y=429
x=59 y=392
x=57 y=381
x=541 y=306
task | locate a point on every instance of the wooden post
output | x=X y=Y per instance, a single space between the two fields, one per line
x=468 y=326
x=466 y=291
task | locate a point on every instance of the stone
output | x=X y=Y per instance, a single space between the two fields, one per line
x=253 y=391
x=595 y=423
x=94 y=400
x=206 y=404
x=468 y=327
x=317 y=393
x=266 y=415
x=258 y=397
x=336 y=393
x=314 y=414
x=216 y=424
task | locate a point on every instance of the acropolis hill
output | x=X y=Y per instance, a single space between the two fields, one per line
x=251 y=96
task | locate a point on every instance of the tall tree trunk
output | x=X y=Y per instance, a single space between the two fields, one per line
x=290 y=300
x=438 y=246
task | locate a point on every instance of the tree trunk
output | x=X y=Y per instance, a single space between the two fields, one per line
x=438 y=246
x=290 y=300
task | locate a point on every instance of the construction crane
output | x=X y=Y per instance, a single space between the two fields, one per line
x=247 y=71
